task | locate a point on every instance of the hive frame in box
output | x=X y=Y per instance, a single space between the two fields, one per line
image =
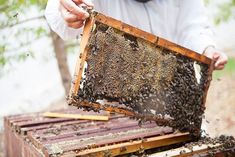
x=158 y=41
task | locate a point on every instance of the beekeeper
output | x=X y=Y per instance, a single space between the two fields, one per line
x=181 y=21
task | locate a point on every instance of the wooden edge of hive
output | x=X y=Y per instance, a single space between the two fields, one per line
x=133 y=146
x=186 y=152
x=81 y=58
x=158 y=119
x=151 y=38
x=209 y=75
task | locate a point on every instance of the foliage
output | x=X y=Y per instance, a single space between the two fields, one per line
x=225 y=11
x=228 y=70
x=15 y=35
x=19 y=30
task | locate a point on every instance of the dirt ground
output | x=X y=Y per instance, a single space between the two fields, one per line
x=220 y=107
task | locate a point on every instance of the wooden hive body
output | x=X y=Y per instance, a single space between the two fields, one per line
x=146 y=76
x=33 y=135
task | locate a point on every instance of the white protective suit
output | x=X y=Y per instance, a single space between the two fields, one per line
x=181 y=21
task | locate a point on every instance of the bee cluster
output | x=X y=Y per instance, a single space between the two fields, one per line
x=227 y=145
x=143 y=78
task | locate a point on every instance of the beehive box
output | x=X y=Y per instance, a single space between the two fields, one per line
x=126 y=70
x=33 y=135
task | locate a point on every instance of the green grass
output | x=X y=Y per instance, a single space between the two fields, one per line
x=229 y=69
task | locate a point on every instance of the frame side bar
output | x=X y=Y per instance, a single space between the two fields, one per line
x=82 y=57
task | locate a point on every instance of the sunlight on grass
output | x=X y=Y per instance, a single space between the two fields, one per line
x=229 y=69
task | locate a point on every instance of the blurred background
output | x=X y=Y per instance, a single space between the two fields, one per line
x=36 y=65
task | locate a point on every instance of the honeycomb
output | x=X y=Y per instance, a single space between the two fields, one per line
x=143 y=78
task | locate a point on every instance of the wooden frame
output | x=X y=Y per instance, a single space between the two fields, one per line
x=158 y=41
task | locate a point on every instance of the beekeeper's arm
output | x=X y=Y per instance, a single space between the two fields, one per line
x=65 y=17
x=194 y=31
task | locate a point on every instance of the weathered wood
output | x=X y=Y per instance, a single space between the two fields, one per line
x=209 y=72
x=44 y=134
x=120 y=111
x=73 y=137
x=204 y=150
x=75 y=116
x=82 y=57
x=129 y=147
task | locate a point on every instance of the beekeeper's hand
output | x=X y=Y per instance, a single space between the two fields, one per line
x=72 y=12
x=218 y=56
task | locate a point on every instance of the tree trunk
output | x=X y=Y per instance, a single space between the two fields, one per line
x=61 y=57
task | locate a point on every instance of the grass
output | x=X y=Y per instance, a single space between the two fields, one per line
x=229 y=69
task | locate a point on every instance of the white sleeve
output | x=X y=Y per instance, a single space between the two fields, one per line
x=57 y=23
x=194 y=29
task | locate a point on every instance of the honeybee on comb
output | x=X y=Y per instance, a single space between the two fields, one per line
x=126 y=70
